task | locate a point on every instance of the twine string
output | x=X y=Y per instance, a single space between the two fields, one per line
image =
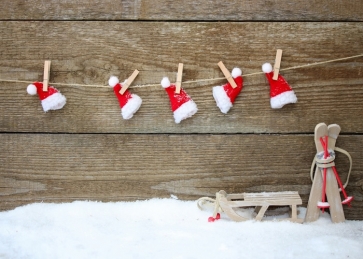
x=191 y=81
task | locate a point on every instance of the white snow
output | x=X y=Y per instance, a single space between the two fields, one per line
x=166 y=228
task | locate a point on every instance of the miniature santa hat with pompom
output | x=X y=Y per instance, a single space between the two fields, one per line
x=181 y=104
x=51 y=99
x=225 y=95
x=129 y=103
x=280 y=91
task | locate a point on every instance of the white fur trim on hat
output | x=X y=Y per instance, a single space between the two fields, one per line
x=280 y=100
x=236 y=72
x=131 y=107
x=267 y=68
x=223 y=101
x=186 y=110
x=31 y=89
x=54 y=102
x=165 y=83
x=113 y=81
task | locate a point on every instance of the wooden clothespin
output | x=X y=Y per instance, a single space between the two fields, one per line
x=227 y=75
x=277 y=64
x=129 y=81
x=179 y=78
x=46 y=75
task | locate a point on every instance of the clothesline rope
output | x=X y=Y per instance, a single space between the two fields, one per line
x=191 y=81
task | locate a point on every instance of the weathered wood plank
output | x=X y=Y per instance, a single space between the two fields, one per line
x=110 y=167
x=277 y=10
x=89 y=52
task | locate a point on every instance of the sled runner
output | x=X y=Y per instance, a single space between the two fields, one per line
x=261 y=201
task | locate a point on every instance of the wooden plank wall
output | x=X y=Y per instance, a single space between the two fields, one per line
x=86 y=151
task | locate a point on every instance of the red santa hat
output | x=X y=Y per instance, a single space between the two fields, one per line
x=51 y=99
x=129 y=103
x=280 y=92
x=225 y=95
x=181 y=104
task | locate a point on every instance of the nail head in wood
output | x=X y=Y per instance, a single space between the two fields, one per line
x=129 y=81
x=46 y=75
x=179 y=78
x=227 y=74
x=277 y=64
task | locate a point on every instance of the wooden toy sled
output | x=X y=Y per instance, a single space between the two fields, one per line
x=261 y=201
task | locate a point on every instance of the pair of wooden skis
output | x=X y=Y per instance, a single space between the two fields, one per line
x=326 y=178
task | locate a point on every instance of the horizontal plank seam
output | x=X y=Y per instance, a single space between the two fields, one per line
x=173 y=133
x=178 y=21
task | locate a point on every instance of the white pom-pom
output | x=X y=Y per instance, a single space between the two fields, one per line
x=236 y=72
x=165 y=83
x=266 y=68
x=113 y=81
x=31 y=89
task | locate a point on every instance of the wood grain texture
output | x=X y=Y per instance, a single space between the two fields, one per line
x=110 y=159
x=245 y=10
x=90 y=52
x=114 y=167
